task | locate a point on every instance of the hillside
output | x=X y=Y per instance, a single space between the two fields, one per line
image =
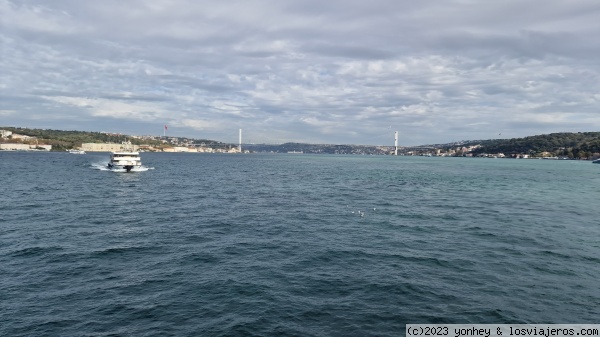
x=63 y=140
x=319 y=148
x=575 y=145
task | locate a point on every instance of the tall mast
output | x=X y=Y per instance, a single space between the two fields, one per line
x=240 y=144
x=396 y=143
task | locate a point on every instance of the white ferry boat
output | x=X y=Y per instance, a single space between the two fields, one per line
x=126 y=160
x=74 y=151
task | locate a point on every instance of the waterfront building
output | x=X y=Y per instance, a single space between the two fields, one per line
x=24 y=147
x=5 y=133
x=106 y=147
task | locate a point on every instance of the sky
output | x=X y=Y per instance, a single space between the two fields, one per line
x=335 y=71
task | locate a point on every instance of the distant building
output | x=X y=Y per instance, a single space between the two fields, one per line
x=5 y=133
x=24 y=147
x=40 y=146
x=14 y=147
x=106 y=147
x=146 y=148
x=21 y=137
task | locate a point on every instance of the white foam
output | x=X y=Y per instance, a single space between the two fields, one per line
x=104 y=167
x=141 y=169
x=100 y=166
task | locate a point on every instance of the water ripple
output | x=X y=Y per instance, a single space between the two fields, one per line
x=261 y=245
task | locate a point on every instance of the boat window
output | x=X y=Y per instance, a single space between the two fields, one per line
x=123 y=155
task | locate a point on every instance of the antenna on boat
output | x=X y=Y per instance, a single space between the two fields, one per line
x=240 y=145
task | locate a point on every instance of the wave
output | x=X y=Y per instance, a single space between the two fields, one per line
x=35 y=251
x=101 y=166
x=122 y=250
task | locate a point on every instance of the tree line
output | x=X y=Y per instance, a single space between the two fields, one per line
x=64 y=140
x=568 y=144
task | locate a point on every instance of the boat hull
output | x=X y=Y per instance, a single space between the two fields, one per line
x=126 y=160
x=123 y=168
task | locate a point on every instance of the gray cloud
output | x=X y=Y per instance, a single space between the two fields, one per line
x=314 y=71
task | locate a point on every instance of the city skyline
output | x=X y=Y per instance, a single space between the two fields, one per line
x=339 y=72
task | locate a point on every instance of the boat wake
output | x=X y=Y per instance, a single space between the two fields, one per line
x=104 y=167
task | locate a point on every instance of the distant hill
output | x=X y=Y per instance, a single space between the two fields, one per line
x=318 y=148
x=64 y=140
x=580 y=144
x=573 y=145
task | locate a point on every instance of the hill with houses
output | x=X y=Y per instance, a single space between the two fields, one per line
x=567 y=145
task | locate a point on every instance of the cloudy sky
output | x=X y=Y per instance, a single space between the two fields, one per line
x=335 y=71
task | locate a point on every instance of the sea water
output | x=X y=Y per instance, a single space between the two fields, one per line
x=293 y=245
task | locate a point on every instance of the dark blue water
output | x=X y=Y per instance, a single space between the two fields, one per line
x=293 y=245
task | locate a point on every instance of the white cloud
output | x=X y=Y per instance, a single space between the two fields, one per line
x=199 y=124
x=7 y=112
x=336 y=71
x=37 y=19
x=98 y=107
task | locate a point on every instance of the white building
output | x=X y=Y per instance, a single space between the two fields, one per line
x=14 y=147
x=5 y=133
x=105 y=147
x=24 y=147
x=21 y=137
